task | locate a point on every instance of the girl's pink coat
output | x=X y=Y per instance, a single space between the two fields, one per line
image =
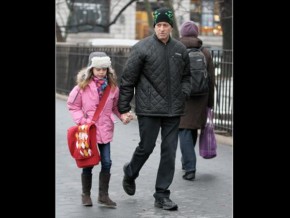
x=82 y=105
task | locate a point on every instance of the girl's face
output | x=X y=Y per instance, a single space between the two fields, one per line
x=100 y=73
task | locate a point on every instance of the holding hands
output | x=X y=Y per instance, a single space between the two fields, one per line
x=126 y=117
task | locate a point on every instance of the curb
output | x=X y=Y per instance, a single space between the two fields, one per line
x=225 y=140
x=62 y=97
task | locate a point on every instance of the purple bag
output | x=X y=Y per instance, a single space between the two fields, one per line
x=207 y=140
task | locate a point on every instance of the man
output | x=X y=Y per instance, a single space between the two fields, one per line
x=158 y=70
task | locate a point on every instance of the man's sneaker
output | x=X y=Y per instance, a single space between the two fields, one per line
x=129 y=185
x=165 y=204
x=189 y=175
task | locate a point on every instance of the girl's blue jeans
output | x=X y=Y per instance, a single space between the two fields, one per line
x=106 y=162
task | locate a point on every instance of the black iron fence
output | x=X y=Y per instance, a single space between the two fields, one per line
x=71 y=58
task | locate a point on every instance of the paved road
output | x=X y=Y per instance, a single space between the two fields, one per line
x=209 y=196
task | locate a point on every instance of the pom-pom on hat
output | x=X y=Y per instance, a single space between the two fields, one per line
x=189 y=28
x=163 y=15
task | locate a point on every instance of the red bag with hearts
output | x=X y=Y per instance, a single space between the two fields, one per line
x=82 y=142
x=82 y=139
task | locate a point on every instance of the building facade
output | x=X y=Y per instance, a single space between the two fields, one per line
x=84 y=20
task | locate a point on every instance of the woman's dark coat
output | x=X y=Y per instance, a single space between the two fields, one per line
x=195 y=107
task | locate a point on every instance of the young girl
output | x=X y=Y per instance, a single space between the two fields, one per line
x=82 y=103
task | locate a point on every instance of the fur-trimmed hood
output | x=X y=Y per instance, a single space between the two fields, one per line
x=82 y=75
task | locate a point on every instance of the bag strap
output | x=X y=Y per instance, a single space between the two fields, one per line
x=102 y=103
x=210 y=115
x=195 y=49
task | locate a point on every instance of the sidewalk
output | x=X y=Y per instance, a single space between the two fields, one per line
x=209 y=196
x=225 y=140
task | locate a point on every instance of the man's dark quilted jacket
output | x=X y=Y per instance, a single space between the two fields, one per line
x=160 y=75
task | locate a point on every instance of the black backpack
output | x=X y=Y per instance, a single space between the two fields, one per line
x=198 y=68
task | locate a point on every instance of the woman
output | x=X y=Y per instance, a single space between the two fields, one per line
x=196 y=106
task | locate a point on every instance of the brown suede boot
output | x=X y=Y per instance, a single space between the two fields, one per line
x=104 y=179
x=86 y=186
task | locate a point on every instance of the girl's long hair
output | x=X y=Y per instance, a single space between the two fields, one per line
x=85 y=76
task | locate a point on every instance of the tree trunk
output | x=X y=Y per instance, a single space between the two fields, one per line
x=59 y=37
x=149 y=15
x=226 y=22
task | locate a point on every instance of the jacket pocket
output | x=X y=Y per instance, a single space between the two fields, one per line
x=178 y=62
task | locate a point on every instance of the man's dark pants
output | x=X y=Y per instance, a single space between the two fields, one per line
x=149 y=129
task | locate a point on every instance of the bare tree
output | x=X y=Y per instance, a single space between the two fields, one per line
x=148 y=9
x=62 y=29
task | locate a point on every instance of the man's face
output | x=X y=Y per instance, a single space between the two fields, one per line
x=163 y=30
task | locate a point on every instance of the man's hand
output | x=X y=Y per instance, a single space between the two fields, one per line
x=126 y=117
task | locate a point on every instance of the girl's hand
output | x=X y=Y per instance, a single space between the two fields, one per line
x=126 y=117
